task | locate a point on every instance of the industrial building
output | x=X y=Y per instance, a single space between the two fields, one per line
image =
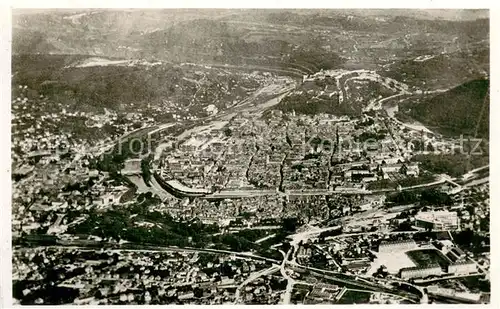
x=456 y=254
x=438 y=220
x=420 y=272
x=462 y=268
x=399 y=245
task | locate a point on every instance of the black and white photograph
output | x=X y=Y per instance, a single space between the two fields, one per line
x=217 y=156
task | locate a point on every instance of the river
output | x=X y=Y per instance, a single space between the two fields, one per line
x=392 y=109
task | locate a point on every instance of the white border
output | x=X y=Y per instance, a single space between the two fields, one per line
x=427 y=4
x=494 y=152
x=5 y=165
x=5 y=35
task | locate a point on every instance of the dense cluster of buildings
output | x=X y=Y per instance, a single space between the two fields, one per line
x=473 y=208
x=246 y=173
x=57 y=188
x=54 y=151
x=284 y=151
x=125 y=277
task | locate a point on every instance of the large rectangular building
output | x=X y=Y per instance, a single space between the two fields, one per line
x=456 y=255
x=398 y=245
x=438 y=220
x=462 y=268
x=420 y=272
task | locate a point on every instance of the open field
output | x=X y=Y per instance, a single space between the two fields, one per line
x=354 y=297
x=394 y=261
x=427 y=257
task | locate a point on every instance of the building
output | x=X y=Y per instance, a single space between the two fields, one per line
x=369 y=179
x=304 y=253
x=375 y=200
x=357 y=172
x=462 y=268
x=185 y=296
x=399 y=245
x=227 y=281
x=455 y=254
x=365 y=206
x=411 y=170
x=420 y=272
x=385 y=157
x=357 y=266
x=108 y=199
x=438 y=220
x=392 y=168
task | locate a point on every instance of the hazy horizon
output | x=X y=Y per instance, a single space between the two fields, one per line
x=447 y=14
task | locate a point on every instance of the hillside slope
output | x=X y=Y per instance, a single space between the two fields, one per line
x=440 y=71
x=303 y=40
x=83 y=83
x=461 y=110
x=341 y=92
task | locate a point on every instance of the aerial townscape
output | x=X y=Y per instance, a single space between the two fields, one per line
x=230 y=156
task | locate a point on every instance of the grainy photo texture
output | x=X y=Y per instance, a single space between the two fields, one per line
x=230 y=156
